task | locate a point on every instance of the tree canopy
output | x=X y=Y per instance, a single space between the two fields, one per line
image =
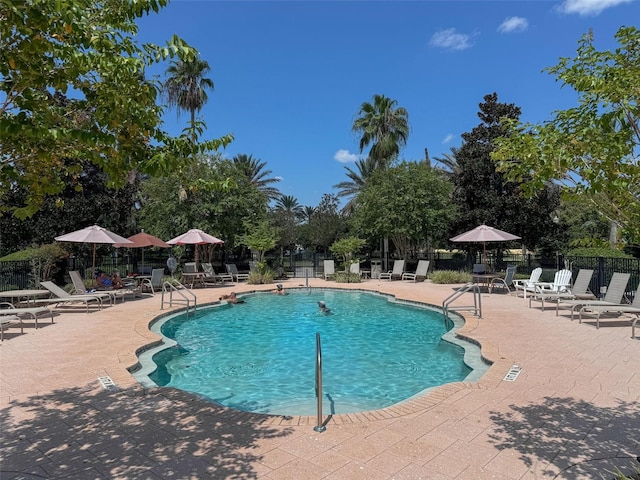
x=484 y=195
x=221 y=209
x=409 y=203
x=73 y=93
x=591 y=149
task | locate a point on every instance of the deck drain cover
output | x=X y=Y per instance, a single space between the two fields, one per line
x=107 y=383
x=512 y=374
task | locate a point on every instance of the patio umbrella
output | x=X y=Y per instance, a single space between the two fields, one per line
x=195 y=236
x=484 y=233
x=142 y=240
x=94 y=234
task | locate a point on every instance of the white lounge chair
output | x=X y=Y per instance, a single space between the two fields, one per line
x=63 y=297
x=396 y=273
x=421 y=271
x=552 y=290
x=355 y=268
x=8 y=309
x=233 y=271
x=528 y=285
x=615 y=293
x=504 y=283
x=329 y=269
x=579 y=289
x=632 y=308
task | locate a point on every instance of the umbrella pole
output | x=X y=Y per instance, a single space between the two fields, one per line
x=93 y=268
x=484 y=252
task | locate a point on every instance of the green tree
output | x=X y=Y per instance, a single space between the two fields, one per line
x=347 y=248
x=591 y=149
x=260 y=238
x=254 y=170
x=290 y=205
x=307 y=212
x=93 y=203
x=384 y=126
x=186 y=86
x=449 y=162
x=357 y=182
x=408 y=203
x=216 y=206
x=86 y=48
x=325 y=226
x=286 y=217
x=484 y=195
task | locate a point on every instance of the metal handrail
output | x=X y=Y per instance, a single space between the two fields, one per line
x=171 y=287
x=477 y=302
x=319 y=427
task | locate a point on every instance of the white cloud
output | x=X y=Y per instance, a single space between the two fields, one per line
x=449 y=39
x=513 y=24
x=448 y=138
x=588 y=7
x=344 y=156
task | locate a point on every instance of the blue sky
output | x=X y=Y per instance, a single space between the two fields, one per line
x=290 y=76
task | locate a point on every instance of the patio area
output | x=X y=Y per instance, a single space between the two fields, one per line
x=573 y=412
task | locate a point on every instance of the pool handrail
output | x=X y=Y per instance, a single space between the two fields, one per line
x=477 y=302
x=180 y=289
x=320 y=427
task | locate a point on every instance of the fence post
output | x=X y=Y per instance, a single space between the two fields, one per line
x=601 y=276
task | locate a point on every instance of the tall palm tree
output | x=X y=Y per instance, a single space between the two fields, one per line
x=358 y=181
x=186 y=86
x=384 y=126
x=253 y=169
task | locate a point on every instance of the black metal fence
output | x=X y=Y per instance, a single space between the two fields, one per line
x=27 y=274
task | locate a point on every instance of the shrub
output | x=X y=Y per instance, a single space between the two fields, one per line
x=347 y=277
x=261 y=276
x=597 y=252
x=450 y=276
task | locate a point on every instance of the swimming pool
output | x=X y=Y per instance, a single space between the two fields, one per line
x=259 y=356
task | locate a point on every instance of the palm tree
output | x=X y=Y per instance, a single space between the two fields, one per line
x=449 y=162
x=186 y=86
x=253 y=169
x=307 y=212
x=384 y=126
x=289 y=204
x=358 y=181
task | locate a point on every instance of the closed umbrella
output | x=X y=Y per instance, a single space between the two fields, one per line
x=94 y=234
x=484 y=233
x=195 y=236
x=142 y=240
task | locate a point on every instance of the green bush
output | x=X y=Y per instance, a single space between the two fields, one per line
x=347 y=277
x=262 y=276
x=450 y=276
x=597 y=252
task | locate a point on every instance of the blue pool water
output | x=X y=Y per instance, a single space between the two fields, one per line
x=259 y=356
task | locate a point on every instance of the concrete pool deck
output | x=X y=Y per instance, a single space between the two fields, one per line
x=573 y=412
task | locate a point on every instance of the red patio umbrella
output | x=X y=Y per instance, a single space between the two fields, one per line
x=142 y=240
